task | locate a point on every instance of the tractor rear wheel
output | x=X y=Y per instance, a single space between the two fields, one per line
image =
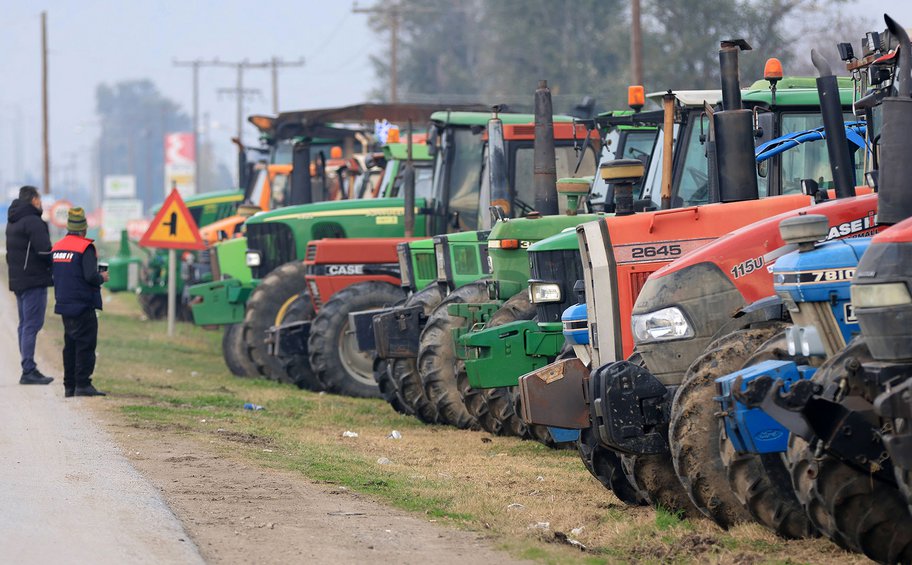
x=694 y=429
x=856 y=509
x=437 y=356
x=154 y=306
x=235 y=353
x=280 y=294
x=390 y=386
x=411 y=389
x=760 y=481
x=605 y=465
x=334 y=355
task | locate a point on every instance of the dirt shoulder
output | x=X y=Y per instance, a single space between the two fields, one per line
x=237 y=512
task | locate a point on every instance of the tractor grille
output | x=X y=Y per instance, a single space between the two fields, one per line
x=311 y=252
x=564 y=267
x=276 y=245
x=426 y=265
x=637 y=280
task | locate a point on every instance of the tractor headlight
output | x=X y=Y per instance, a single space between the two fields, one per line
x=253 y=258
x=541 y=292
x=880 y=295
x=404 y=267
x=661 y=325
x=439 y=251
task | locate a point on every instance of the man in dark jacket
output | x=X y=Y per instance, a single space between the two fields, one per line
x=28 y=248
x=77 y=289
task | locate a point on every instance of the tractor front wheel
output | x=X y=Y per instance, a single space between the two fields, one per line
x=437 y=356
x=235 y=353
x=279 y=293
x=154 y=306
x=694 y=429
x=605 y=465
x=334 y=354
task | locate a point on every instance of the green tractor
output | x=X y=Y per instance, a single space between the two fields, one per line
x=276 y=240
x=459 y=163
x=462 y=260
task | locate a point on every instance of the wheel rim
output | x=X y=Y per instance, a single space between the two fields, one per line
x=358 y=364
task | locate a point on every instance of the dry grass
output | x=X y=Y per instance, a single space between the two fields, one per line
x=500 y=486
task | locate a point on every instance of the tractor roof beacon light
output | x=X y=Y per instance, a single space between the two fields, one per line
x=335 y=152
x=734 y=130
x=544 y=164
x=636 y=97
x=772 y=73
x=834 y=126
x=393 y=135
x=894 y=204
x=301 y=185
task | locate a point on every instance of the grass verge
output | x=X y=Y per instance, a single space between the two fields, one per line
x=528 y=499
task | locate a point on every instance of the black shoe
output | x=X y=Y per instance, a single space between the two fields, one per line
x=40 y=374
x=87 y=391
x=68 y=392
x=34 y=378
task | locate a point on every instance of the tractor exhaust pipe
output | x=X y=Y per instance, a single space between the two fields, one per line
x=894 y=204
x=408 y=217
x=544 y=167
x=734 y=131
x=496 y=169
x=241 y=162
x=834 y=127
x=301 y=187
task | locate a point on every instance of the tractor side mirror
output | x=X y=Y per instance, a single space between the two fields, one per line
x=810 y=188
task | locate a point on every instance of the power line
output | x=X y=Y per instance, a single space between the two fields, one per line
x=196 y=64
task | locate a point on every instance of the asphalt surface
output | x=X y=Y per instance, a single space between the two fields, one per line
x=67 y=493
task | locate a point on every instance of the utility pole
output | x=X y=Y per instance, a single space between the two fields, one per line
x=195 y=64
x=392 y=13
x=276 y=63
x=239 y=92
x=45 y=143
x=636 y=44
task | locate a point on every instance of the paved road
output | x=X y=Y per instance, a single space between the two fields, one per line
x=67 y=494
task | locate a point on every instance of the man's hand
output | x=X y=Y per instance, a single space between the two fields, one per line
x=105 y=277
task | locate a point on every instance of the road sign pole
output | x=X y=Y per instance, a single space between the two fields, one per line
x=172 y=289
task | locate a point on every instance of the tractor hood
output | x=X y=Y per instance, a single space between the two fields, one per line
x=338 y=208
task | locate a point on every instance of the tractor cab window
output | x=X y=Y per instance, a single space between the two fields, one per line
x=652 y=183
x=424 y=176
x=810 y=160
x=281 y=153
x=632 y=144
x=465 y=176
x=389 y=176
x=279 y=190
x=566 y=157
x=693 y=177
x=259 y=185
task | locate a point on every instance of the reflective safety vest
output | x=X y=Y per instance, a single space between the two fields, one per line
x=74 y=295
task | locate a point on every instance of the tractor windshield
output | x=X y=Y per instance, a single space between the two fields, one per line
x=465 y=175
x=808 y=160
x=279 y=191
x=259 y=185
x=626 y=144
x=566 y=157
x=281 y=153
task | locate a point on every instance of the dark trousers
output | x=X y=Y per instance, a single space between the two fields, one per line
x=80 y=335
x=32 y=303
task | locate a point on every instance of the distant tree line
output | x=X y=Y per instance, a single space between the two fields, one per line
x=496 y=50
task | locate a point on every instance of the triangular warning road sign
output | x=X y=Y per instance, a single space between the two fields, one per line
x=173 y=227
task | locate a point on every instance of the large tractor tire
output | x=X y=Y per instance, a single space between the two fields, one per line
x=386 y=384
x=856 y=509
x=280 y=294
x=389 y=379
x=605 y=465
x=334 y=355
x=154 y=306
x=761 y=482
x=437 y=356
x=654 y=476
x=694 y=430
x=475 y=401
x=235 y=352
x=411 y=390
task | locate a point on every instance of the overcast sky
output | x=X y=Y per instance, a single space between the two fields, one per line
x=95 y=41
